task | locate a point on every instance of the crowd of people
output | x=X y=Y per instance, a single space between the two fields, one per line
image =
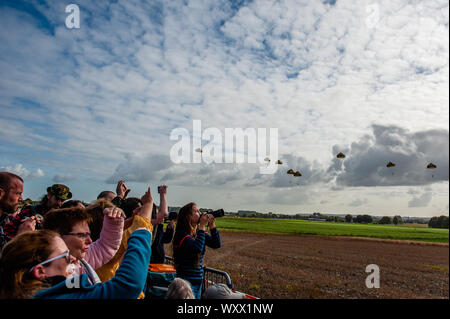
x=62 y=249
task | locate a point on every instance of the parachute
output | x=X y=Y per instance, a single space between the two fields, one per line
x=279 y=162
x=199 y=150
x=431 y=166
x=297 y=173
x=340 y=155
x=390 y=164
x=290 y=171
x=267 y=159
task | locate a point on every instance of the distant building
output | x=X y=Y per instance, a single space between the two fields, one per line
x=246 y=213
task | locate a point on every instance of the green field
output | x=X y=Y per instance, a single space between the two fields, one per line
x=288 y=226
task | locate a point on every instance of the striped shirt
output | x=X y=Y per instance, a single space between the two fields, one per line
x=186 y=250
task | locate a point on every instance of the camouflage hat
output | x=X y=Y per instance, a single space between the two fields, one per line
x=60 y=191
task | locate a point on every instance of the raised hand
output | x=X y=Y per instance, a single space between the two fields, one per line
x=122 y=190
x=147 y=198
x=113 y=212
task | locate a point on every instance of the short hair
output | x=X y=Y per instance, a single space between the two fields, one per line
x=6 y=179
x=63 y=220
x=180 y=289
x=104 y=194
x=71 y=203
x=95 y=211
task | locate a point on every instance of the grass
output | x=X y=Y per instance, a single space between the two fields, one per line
x=286 y=226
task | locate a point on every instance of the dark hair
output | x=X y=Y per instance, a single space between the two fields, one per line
x=72 y=203
x=6 y=179
x=63 y=220
x=129 y=205
x=185 y=227
x=104 y=194
x=95 y=211
x=18 y=256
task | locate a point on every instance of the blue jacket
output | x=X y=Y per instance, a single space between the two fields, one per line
x=128 y=282
x=187 y=249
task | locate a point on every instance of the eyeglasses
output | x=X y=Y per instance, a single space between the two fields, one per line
x=66 y=255
x=80 y=235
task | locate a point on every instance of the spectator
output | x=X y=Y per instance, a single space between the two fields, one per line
x=72 y=225
x=95 y=211
x=190 y=242
x=141 y=219
x=180 y=289
x=129 y=205
x=29 y=218
x=34 y=264
x=221 y=291
x=73 y=203
x=122 y=192
x=159 y=236
x=11 y=188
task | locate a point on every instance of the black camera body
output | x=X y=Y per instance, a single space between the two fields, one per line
x=218 y=213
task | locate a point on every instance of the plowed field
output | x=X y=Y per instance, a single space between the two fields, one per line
x=294 y=266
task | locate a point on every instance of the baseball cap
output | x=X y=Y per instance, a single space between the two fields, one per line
x=60 y=191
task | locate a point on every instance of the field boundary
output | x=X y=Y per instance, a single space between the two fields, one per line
x=374 y=239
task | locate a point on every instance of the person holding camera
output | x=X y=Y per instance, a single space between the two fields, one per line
x=189 y=244
x=159 y=236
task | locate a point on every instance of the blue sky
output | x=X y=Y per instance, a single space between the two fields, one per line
x=89 y=106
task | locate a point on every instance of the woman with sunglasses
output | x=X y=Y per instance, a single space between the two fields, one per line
x=29 y=260
x=73 y=226
x=35 y=265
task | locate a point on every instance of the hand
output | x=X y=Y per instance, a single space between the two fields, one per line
x=171 y=223
x=122 y=190
x=202 y=222
x=211 y=221
x=113 y=212
x=28 y=224
x=147 y=198
x=162 y=189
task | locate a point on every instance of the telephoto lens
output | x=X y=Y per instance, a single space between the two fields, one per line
x=218 y=213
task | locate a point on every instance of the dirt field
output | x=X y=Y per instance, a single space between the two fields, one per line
x=292 y=266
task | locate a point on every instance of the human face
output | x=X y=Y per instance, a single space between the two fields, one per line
x=54 y=202
x=195 y=214
x=57 y=267
x=77 y=243
x=12 y=197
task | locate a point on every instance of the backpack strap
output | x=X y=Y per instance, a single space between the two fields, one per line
x=181 y=241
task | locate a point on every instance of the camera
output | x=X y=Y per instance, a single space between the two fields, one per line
x=218 y=213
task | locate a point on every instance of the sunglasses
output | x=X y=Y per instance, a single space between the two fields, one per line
x=80 y=235
x=65 y=254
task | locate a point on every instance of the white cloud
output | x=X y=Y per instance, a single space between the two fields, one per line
x=85 y=99
x=23 y=172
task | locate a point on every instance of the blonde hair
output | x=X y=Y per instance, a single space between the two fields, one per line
x=18 y=257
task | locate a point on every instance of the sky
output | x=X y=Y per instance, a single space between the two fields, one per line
x=92 y=105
